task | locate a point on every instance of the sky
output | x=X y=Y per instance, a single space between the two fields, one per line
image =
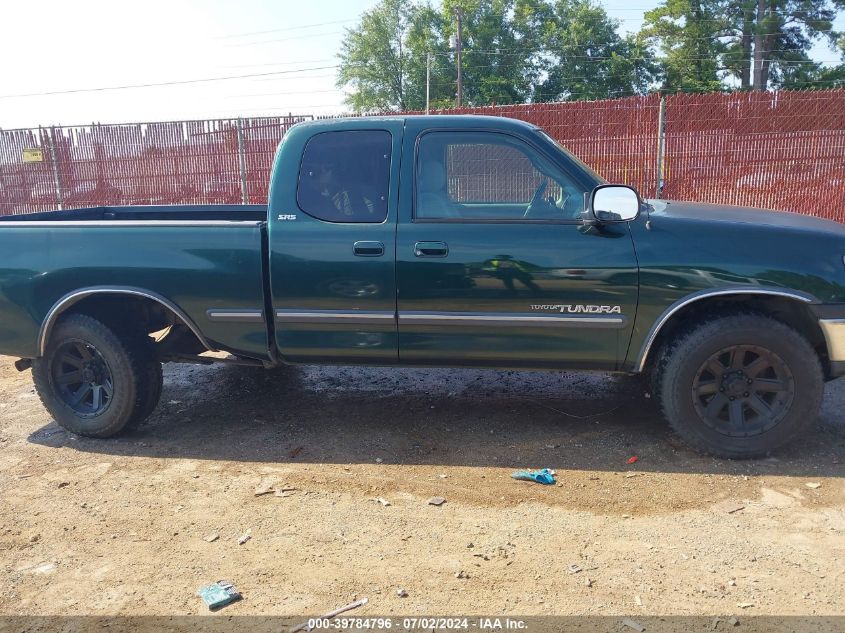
x=289 y=49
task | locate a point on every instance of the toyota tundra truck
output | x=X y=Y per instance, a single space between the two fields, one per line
x=435 y=241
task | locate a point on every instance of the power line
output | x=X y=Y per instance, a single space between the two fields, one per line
x=288 y=28
x=163 y=83
x=285 y=39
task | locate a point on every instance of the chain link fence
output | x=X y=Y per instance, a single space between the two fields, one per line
x=783 y=150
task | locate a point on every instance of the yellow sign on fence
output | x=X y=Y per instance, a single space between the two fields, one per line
x=33 y=156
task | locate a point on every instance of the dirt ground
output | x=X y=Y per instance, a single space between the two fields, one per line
x=126 y=526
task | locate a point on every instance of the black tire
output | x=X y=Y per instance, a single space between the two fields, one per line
x=83 y=353
x=739 y=386
x=150 y=388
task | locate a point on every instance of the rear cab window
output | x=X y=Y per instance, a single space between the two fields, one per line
x=344 y=176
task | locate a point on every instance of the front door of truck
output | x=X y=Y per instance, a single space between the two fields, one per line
x=494 y=266
x=332 y=244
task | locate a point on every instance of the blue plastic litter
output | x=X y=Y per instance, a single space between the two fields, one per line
x=219 y=594
x=545 y=476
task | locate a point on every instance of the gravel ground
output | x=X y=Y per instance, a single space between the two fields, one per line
x=349 y=458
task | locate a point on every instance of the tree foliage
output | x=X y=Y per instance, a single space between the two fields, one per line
x=715 y=44
x=515 y=51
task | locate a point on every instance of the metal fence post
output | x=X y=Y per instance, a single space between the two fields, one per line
x=242 y=161
x=661 y=146
x=54 y=162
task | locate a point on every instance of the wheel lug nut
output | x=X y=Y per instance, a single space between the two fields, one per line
x=732 y=398
x=745 y=395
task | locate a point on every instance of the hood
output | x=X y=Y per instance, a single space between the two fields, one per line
x=702 y=212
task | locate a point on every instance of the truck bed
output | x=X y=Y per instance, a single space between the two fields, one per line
x=202 y=259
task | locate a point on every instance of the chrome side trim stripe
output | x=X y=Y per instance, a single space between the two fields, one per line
x=705 y=294
x=362 y=317
x=57 y=224
x=465 y=319
x=236 y=316
x=505 y=319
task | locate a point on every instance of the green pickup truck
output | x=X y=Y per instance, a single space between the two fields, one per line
x=440 y=241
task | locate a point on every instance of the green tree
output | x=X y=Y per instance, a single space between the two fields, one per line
x=581 y=53
x=498 y=62
x=383 y=58
x=685 y=34
x=757 y=43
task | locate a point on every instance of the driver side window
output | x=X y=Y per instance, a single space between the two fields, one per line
x=489 y=176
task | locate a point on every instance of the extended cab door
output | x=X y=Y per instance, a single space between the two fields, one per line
x=333 y=205
x=494 y=266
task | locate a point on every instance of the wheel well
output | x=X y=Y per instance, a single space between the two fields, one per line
x=121 y=311
x=792 y=312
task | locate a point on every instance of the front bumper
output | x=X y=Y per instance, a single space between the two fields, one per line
x=831 y=318
x=834 y=336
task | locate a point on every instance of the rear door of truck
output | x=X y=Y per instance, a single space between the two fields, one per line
x=332 y=233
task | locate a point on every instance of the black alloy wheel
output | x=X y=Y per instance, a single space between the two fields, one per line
x=743 y=390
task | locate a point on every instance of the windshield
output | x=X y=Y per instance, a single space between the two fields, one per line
x=577 y=160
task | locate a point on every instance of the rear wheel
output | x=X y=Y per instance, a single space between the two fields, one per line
x=91 y=381
x=740 y=386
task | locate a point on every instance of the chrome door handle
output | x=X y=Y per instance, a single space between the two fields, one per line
x=368 y=249
x=431 y=249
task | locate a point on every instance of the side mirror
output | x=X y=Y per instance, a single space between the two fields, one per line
x=613 y=203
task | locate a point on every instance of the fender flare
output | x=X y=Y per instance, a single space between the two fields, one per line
x=78 y=295
x=683 y=302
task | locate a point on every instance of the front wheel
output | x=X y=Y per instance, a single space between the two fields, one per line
x=740 y=386
x=90 y=380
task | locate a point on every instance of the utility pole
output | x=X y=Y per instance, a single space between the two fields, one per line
x=427 y=82
x=458 y=49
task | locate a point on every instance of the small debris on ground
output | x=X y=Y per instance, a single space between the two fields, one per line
x=285 y=491
x=264 y=488
x=379 y=460
x=813 y=485
x=733 y=621
x=65 y=484
x=732 y=583
x=588 y=582
x=401 y=593
x=573 y=569
x=638 y=600
x=245 y=537
x=639 y=628
x=382 y=501
x=633 y=459
x=328 y=616
x=296 y=451
x=436 y=501
x=544 y=476
x=745 y=605
x=219 y=594
x=442 y=475
x=728 y=507
x=462 y=575
x=211 y=538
